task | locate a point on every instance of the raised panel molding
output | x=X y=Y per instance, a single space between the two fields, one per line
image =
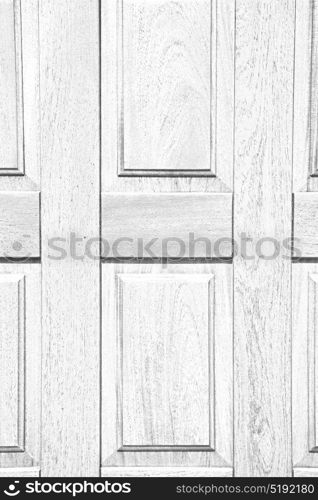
x=166 y=79
x=167 y=367
x=162 y=81
x=12 y=370
x=312 y=360
x=313 y=127
x=306 y=97
x=11 y=93
x=166 y=356
x=304 y=365
x=20 y=368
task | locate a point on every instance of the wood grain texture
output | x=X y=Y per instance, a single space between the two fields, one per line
x=20 y=472
x=167 y=221
x=12 y=370
x=122 y=376
x=165 y=72
x=312 y=361
x=306 y=225
x=305 y=97
x=11 y=98
x=25 y=86
x=19 y=224
x=20 y=366
x=262 y=288
x=69 y=33
x=313 y=125
x=166 y=357
x=304 y=363
x=184 y=71
x=166 y=472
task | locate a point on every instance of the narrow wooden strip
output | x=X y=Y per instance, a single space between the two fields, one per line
x=12 y=369
x=19 y=224
x=263 y=209
x=305 y=96
x=70 y=286
x=20 y=472
x=167 y=225
x=305 y=472
x=166 y=472
x=306 y=225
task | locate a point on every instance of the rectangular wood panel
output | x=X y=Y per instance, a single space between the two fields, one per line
x=306 y=97
x=167 y=95
x=165 y=54
x=12 y=362
x=20 y=366
x=312 y=360
x=167 y=225
x=167 y=368
x=304 y=363
x=19 y=224
x=166 y=341
x=11 y=101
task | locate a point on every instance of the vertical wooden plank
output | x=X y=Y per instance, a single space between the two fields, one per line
x=69 y=40
x=262 y=288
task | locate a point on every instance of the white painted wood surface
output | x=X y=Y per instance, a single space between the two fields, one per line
x=176 y=224
x=167 y=106
x=69 y=34
x=305 y=96
x=20 y=472
x=19 y=224
x=166 y=340
x=165 y=81
x=305 y=228
x=20 y=367
x=11 y=99
x=306 y=225
x=305 y=324
x=19 y=92
x=12 y=332
x=167 y=472
x=180 y=78
x=305 y=472
x=158 y=68
x=262 y=289
x=150 y=320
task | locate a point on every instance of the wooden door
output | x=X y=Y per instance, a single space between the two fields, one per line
x=150 y=149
